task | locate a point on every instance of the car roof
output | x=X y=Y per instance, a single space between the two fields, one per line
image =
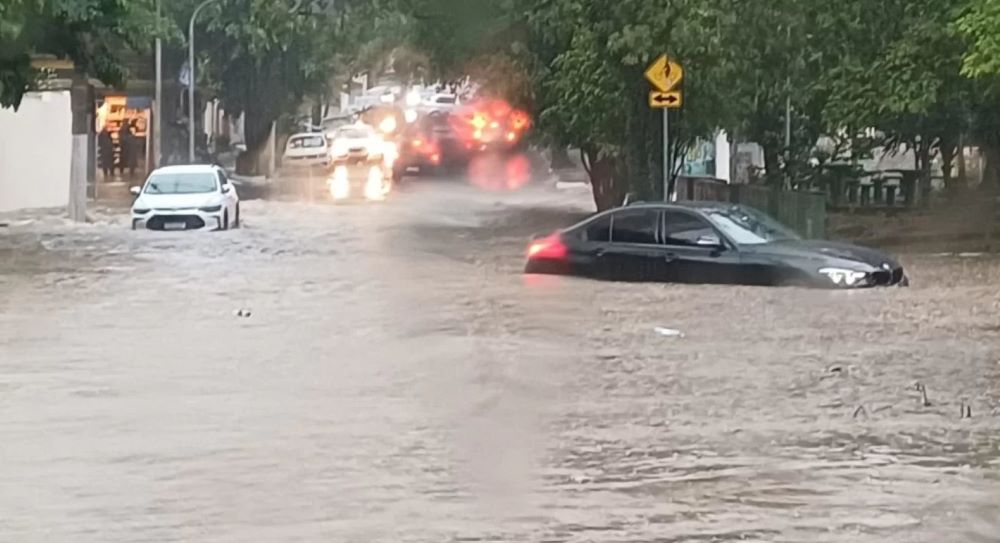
x=683 y=204
x=187 y=168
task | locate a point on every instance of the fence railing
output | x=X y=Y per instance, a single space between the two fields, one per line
x=805 y=212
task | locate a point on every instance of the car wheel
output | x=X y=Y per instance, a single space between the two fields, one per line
x=225 y=220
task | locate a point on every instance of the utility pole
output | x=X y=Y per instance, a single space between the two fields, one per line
x=158 y=98
x=667 y=162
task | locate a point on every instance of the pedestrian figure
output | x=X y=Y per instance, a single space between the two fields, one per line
x=127 y=143
x=132 y=157
x=106 y=149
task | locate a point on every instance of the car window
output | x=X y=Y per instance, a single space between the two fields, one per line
x=306 y=142
x=599 y=230
x=353 y=133
x=181 y=183
x=634 y=226
x=684 y=228
x=222 y=178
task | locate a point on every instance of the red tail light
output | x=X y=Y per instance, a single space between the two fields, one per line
x=550 y=248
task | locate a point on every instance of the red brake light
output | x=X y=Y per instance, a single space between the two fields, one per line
x=550 y=248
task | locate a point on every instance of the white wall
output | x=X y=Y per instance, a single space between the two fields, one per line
x=722 y=155
x=36 y=147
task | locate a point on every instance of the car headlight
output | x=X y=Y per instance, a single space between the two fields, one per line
x=139 y=211
x=211 y=209
x=844 y=277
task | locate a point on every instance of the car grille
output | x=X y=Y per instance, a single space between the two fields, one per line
x=191 y=222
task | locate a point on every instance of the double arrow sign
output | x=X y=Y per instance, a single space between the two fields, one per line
x=665 y=75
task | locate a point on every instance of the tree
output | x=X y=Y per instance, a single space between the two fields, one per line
x=95 y=34
x=261 y=59
x=978 y=24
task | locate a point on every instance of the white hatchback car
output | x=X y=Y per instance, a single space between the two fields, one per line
x=357 y=143
x=186 y=198
x=307 y=149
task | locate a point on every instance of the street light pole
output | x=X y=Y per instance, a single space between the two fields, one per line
x=158 y=99
x=192 y=79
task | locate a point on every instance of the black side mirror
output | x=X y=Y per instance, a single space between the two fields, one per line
x=226 y=188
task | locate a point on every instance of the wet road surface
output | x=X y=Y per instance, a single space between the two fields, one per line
x=399 y=380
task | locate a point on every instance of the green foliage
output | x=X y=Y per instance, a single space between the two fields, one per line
x=95 y=34
x=979 y=23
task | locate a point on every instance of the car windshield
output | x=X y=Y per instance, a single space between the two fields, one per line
x=353 y=133
x=746 y=226
x=306 y=142
x=182 y=183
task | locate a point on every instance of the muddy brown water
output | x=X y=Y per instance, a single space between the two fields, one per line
x=399 y=380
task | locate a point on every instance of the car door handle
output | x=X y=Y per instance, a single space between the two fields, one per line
x=669 y=257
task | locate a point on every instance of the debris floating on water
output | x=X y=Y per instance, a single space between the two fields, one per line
x=244 y=313
x=965 y=410
x=923 y=394
x=668 y=332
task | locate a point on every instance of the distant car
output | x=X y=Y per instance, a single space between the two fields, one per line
x=443 y=100
x=357 y=143
x=186 y=198
x=307 y=149
x=706 y=242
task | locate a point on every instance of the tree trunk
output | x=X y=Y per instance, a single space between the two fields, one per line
x=772 y=173
x=991 y=169
x=947 y=162
x=608 y=190
x=256 y=131
x=962 y=177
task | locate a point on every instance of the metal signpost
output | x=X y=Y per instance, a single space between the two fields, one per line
x=665 y=75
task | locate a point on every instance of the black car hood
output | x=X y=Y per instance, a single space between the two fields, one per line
x=826 y=252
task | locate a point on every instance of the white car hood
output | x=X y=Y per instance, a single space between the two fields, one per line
x=355 y=142
x=177 y=201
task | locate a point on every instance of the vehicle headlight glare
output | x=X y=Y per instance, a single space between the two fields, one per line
x=844 y=277
x=375 y=188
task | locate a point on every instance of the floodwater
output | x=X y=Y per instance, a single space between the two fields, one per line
x=399 y=380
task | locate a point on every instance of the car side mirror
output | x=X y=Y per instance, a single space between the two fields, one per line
x=226 y=188
x=135 y=190
x=709 y=241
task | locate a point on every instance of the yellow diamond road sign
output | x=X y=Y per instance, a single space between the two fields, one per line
x=664 y=74
x=665 y=100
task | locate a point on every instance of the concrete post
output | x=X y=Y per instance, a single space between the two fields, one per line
x=83 y=125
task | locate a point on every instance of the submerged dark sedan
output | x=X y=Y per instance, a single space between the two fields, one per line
x=706 y=242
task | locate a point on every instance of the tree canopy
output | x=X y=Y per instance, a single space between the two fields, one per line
x=95 y=34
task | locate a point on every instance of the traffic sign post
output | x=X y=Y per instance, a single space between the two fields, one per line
x=665 y=75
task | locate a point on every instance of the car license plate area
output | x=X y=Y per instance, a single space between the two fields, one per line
x=175 y=225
